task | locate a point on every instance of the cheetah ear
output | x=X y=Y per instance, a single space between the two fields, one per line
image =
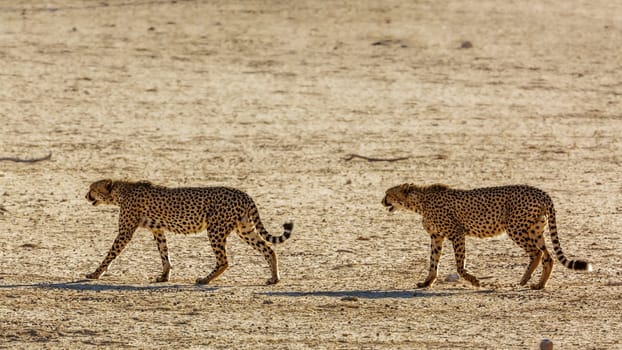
x=407 y=188
x=108 y=185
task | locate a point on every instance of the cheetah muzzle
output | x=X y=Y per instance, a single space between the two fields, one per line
x=389 y=206
x=91 y=199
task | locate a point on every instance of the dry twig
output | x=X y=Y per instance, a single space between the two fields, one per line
x=373 y=159
x=22 y=160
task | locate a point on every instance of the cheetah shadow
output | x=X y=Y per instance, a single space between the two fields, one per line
x=88 y=285
x=378 y=294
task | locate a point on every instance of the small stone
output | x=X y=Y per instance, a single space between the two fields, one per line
x=546 y=344
x=466 y=45
x=452 y=277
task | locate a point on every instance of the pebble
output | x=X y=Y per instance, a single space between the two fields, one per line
x=546 y=344
x=452 y=277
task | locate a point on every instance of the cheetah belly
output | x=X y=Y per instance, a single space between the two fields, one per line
x=180 y=226
x=481 y=219
x=483 y=225
x=486 y=231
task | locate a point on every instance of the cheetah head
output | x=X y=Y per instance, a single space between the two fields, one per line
x=401 y=197
x=100 y=192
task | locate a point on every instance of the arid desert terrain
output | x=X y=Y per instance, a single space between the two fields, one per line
x=273 y=98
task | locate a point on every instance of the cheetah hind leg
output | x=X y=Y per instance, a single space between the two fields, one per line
x=547 y=260
x=547 y=268
x=536 y=249
x=535 y=256
x=252 y=238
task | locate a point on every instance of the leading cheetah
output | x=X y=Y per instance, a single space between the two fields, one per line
x=521 y=211
x=219 y=210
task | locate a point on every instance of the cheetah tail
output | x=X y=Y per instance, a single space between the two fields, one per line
x=287 y=230
x=581 y=265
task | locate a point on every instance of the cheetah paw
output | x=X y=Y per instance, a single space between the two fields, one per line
x=423 y=284
x=92 y=276
x=272 y=281
x=162 y=278
x=202 y=281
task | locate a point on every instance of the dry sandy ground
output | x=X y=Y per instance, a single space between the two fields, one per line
x=270 y=97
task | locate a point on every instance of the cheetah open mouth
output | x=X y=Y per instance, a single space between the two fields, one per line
x=389 y=206
x=91 y=199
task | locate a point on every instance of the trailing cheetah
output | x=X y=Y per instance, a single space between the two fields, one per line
x=521 y=211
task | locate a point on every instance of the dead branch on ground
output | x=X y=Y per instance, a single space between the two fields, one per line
x=373 y=159
x=25 y=160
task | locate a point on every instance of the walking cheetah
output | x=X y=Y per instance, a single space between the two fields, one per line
x=219 y=210
x=521 y=211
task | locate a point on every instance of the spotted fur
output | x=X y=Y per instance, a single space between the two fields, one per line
x=219 y=210
x=521 y=211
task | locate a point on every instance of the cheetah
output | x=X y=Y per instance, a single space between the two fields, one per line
x=521 y=211
x=185 y=210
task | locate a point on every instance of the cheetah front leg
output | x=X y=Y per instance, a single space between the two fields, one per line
x=123 y=238
x=458 y=243
x=160 y=239
x=436 y=248
x=218 y=240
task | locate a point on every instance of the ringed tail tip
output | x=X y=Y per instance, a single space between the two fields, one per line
x=582 y=266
